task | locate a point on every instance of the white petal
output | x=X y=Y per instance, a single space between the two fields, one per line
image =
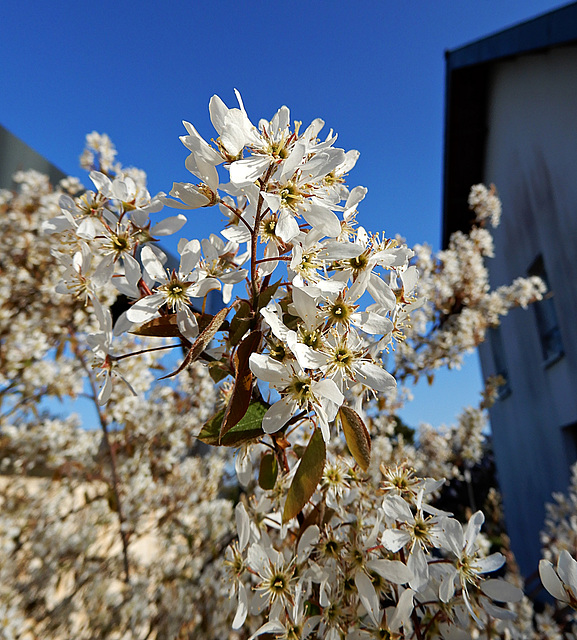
x=122 y=325
x=334 y=250
x=269 y=370
x=328 y=389
x=187 y=324
x=308 y=538
x=287 y=227
x=202 y=287
x=272 y=200
x=218 y=111
x=256 y=557
x=498 y=612
x=248 y=170
x=189 y=256
x=473 y=528
x=567 y=570
x=101 y=182
x=409 y=279
x=242 y=525
x=501 y=591
x=307 y=357
x=140 y=217
x=169 y=225
x=403 y=610
x=236 y=233
x=279 y=329
x=394 y=539
x=103 y=273
x=189 y=194
x=447 y=586
x=491 y=563
x=323 y=218
x=273 y=626
x=397 y=509
x=145 y=309
x=132 y=270
x=551 y=581
x=355 y=196
x=242 y=608
x=376 y=377
x=152 y=265
x=452 y=536
x=203 y=170
x=381 y=292
x=266 y=268
x=290 y=165
x=106 y=390
x=243 y=467
x=368 y=595
x=372 y=322
x=417 y=563
x=278 y=415
x=393 y=570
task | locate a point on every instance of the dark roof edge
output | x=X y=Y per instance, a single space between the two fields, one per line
x=551 y=29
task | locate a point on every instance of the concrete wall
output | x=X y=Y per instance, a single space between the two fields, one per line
x=531 y=157
x=15 y=155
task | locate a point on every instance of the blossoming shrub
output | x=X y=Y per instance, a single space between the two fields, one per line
x=129 y=529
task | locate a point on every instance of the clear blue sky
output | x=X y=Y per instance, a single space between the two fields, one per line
x=373 y=70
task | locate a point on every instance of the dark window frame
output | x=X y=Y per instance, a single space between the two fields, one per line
x=546 y=318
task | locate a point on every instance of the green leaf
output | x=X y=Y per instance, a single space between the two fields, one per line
x=307 y=477
x=249 y=428
x=210 y=432
x=242 y=389
x=265 y=296
x=218 y=370
x=357 y=436
x=268 y=471
x=240 y=323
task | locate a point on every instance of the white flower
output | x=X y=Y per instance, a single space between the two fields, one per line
x=176 y=288
x=561 y=583
x=299 y=391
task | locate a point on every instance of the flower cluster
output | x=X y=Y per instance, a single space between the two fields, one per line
x=127 y=530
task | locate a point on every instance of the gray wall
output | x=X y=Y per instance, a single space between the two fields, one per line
x=15 y=155
x=531 y=156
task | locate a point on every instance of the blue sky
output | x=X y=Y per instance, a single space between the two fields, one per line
x=373 y=70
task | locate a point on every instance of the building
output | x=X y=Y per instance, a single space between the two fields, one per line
x=16 y=155
x=511 y=120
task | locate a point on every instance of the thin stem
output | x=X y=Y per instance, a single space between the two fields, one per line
x=113 y=466
x=237 y=214
x=285 y=258
x=254 y=238
x=138 y=353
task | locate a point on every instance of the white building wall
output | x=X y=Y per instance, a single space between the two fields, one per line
x=531 y=157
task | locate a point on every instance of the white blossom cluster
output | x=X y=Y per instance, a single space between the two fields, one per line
x=460 y=305
x=121 y=532
x=114 y=528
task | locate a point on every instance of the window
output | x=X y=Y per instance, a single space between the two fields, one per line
x=570 y=441
x=499 y=360
x=546 y=317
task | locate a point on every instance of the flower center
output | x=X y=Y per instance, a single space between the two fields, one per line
x=175 y=292
x=300 y=389
x=312 y=338
x=290 y=196
x=359 y=263
x=278 y=351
